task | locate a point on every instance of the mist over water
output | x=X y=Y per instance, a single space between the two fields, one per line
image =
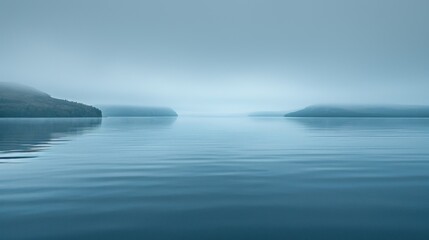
x=214 y=172
x=219 y=57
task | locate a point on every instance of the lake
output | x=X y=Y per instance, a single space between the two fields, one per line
x=214 y=178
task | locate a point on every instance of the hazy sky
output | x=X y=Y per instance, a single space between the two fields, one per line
x=220 y=55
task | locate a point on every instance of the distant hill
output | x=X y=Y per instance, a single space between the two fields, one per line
x=267 y=114
x=362 y=111
x=134 y=111
x=23 y=101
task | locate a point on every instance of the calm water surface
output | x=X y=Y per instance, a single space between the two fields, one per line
x=214 y=178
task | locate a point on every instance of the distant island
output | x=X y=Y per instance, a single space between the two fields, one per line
x=18 y=101
x=388 y=111
x=267 y=114
x=136 y=111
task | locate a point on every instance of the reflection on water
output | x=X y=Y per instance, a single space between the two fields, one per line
x=220 y=178
x=362 y=123
x=141 y=123
x=32 y=135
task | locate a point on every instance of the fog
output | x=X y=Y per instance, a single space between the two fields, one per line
x=219 y=57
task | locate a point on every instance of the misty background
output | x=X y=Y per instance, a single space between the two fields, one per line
x=223 y=56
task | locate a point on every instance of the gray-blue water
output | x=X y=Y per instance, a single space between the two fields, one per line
x=214 y=178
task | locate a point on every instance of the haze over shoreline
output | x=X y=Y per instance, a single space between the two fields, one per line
x=225 y=56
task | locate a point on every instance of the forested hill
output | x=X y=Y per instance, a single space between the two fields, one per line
x=23 y=101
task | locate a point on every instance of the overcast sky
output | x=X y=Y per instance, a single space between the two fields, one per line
x=219 y=56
